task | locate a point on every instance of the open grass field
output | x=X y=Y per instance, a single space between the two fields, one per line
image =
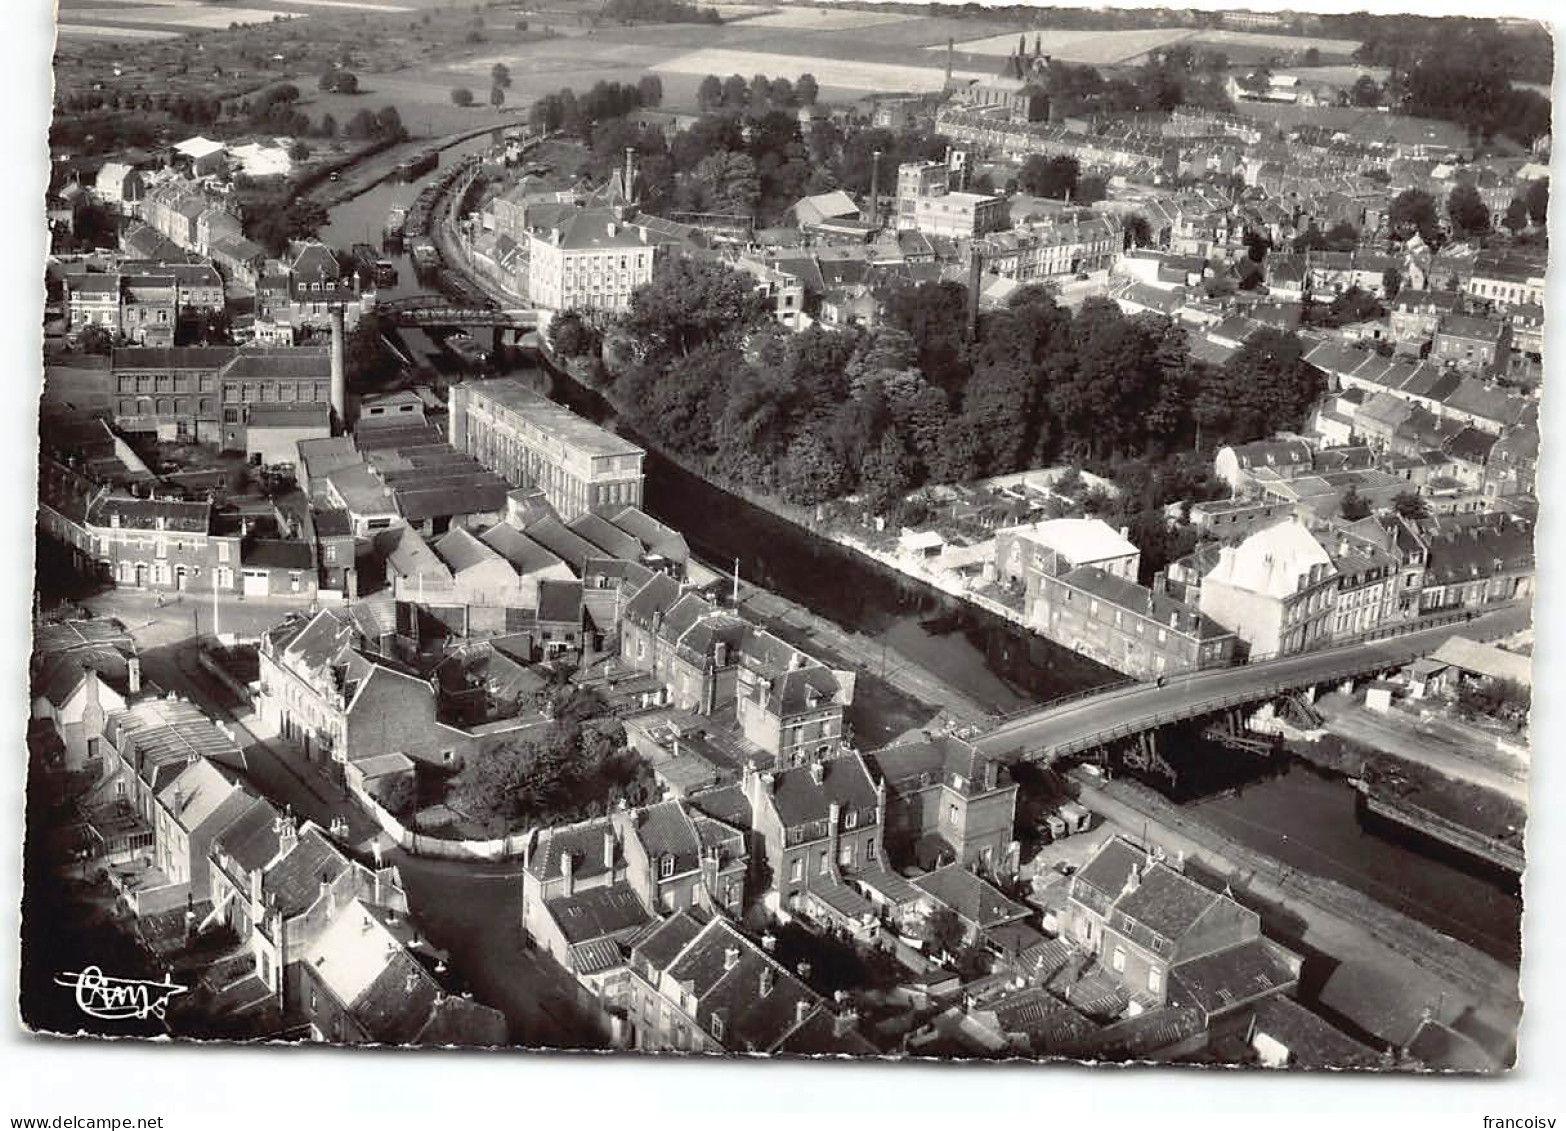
x=1100 y=48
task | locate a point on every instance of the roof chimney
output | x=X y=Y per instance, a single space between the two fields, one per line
x=817 y=772
x=609 y=850
x=802 y=1009
x=133 y=673
x=568 y=872
x=768 y=977
x=730 y=957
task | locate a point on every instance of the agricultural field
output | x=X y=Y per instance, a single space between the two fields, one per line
x=823 y=19
x=1345 y=75
x=1277 y=44
x=1099 y=48
x=834 y=75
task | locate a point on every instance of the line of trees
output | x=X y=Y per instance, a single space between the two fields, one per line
x=759 y=93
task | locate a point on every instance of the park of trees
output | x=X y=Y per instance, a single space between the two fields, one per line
x=816 y=416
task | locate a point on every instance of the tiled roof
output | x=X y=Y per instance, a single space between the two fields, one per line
x=525 y=554
x=974 y=899
x=1311 y=1041
x=801 y=799
x=1220 y=981
x=606 y=536
x=597 y=913
x=295 y=880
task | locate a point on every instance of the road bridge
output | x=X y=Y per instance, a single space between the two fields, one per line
x=426 y=311
x=1099 y=718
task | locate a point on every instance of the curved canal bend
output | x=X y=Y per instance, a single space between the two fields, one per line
x=1299 y=816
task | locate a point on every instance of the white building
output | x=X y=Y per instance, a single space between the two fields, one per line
x=1276 y=590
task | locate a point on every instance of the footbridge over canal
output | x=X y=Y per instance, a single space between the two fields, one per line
x=1135 y=712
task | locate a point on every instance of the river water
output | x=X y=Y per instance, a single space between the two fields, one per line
x=1303 y=818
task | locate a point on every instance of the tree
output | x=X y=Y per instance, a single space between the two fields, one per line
x=691 y=303
x=500 y=75
x=96 y=339
x=1538 y=198
x=811 y=472
x=1391 y=283
x=1312 y=57
x=328 y=126
x=299 y=151
x=807 y=90
x=1468 y=212
x=734 y=91
x=1138 y=233
x=1342 y=236
x=1414 y=211
x=461 y=96
x=1353 y=506
x=1365 y=91
x=1054 y=177
x=709 y=95
x=497 y=97
x=649 y=89
x=944 y=931
x=1410 y=505
x=571 y=335
x=340 y=82
x=1516 y=219
x=884 y=474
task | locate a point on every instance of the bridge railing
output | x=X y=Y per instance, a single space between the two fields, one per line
x=1387 y=632
x=1211 y=704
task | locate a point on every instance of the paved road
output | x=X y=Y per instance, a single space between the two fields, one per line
x=1467 y=755
x=1082 y=723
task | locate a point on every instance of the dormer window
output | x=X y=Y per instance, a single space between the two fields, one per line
x=666 y=866
x=851 y=819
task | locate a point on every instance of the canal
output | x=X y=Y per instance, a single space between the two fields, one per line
x=1299 y=816
x=1311 y=820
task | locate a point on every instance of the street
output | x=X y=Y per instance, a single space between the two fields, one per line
x=473 y=910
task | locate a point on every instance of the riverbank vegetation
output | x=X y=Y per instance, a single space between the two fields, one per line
x=820 y=415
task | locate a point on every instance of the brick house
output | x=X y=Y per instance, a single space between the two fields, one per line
x=678 y=857
x=698 y=986
x=370 y=977
x=323 y=687
x=942 y=788
x=1165 y=938
x=815 y=824
x=82 y=672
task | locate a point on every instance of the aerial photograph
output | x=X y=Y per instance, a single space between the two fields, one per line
x=858 y=530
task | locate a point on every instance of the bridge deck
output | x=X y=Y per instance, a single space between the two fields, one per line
x=1085 y=722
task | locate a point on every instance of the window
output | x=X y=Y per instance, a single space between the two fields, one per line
x=666 y=866
x=796 y=870
x=1155 y=980
x=851 y=819
x=845 y=856
x=716 y=1025
x=222 y=548
x=313 y=1003
x=1119 y=960
x=951 y=814
x=824 y=863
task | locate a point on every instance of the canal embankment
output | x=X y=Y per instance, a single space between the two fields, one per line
x=1368 y=943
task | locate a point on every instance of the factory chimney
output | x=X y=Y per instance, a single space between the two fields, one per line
x=339 y=377
x=875 y=189
x=629 y=176
x=975 y=281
